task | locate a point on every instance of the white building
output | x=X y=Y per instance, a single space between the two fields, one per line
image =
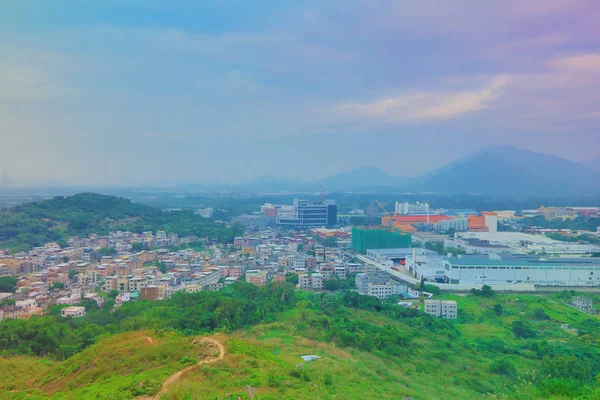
x=441 y=308
x=502 y=269
x=317 y=281
x=73 y=312
x=412 y=209
x=583 y=303
x=383 y=290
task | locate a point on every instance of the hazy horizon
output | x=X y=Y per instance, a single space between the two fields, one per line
x=141 y=92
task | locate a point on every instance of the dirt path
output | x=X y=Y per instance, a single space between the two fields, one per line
x=177 y=375
x=149 y=339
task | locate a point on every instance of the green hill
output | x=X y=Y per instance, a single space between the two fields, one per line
x=33 y=224
x=502 y=347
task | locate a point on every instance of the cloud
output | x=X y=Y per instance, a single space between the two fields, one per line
x=422 y=105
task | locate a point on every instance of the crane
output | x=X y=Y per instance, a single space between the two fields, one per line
x=386 y=213
x=382 y=207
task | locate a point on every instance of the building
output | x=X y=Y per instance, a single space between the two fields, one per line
x=412 y=209
x=363 y=239
x=558 y=213
x=441 y=308
x=256 y=276
x=304 y=281
x=384 y=290
x=502 y=269
x=206 y=212
x=398 y=221
x=306 y=214
x=583 y=303
x=486 y=222
x=317 y=281
x=523 y=243
x=73 y=311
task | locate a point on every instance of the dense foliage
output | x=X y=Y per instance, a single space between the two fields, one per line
x=34 y=224
x=239 y=305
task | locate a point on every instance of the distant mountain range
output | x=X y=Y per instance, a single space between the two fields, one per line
x=593 y=164
x=497 y=170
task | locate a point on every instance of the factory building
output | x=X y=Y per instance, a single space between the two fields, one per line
x=512 y=269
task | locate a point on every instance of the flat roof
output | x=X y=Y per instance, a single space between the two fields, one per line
x=515 y=260
x=401 y=251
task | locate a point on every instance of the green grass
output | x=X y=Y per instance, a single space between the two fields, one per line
x=266 y=358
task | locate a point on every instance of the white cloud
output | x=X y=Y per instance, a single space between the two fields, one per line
x=424 y=105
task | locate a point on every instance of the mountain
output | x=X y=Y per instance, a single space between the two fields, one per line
x=504 y=170
x=593 y=164
x=36 y=223
x=360 y=178
x=364 y=177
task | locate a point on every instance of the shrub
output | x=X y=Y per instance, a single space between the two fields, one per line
x=503 y=367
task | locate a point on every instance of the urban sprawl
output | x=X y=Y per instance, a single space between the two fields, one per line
x=309 y=244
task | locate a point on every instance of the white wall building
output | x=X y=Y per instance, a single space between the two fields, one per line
x=441 y=308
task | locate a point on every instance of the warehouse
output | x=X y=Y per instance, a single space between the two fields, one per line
x=513 y=269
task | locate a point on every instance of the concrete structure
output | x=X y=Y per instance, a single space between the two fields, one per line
x=524 y=243
x=441 y=308
x=73 y=312
x=306 y=214
x=583 y=303
x=512 y=269
x=407 y=208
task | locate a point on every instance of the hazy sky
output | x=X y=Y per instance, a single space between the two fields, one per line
x=135 y=91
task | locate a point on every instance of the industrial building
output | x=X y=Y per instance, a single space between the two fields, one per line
x=512 y=269
x=363 y=239
x=517 y=242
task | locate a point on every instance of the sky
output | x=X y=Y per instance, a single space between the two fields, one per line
x=144 y=91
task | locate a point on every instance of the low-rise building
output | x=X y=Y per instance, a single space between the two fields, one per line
x=441 y=308
x=73 y=311
x=583 y=303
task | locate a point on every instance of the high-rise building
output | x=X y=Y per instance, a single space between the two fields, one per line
x=363 y=239
x=306 y=214
x=407 y=208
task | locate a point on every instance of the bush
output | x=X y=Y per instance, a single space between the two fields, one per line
x=540 y=314
x=503 y=367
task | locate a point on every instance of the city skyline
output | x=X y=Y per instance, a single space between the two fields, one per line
x=118 y=94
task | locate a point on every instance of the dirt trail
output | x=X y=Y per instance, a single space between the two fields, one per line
x=149 y=339
x=177 y=375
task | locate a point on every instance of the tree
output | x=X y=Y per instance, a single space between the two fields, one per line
x=162 y=267
x=8 y=284
x=108 y=305
x=113 y=294
x=503 y=367
x=65 y=259
x=498 y=309
x=138 y=246
x=522 y=329
x=291 y=278
x=540 y=314
x=487 y=291
x=108 y=252
x=332 y=284
x=72 y=273
x=7 y=302
x=454 y=251
x=57 y=285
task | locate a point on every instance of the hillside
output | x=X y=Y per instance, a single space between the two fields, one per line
x=33 y=224
x=503 y=170
x=502 y=347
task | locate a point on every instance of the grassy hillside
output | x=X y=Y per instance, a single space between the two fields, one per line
x=369 y=350
x=33 y=224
